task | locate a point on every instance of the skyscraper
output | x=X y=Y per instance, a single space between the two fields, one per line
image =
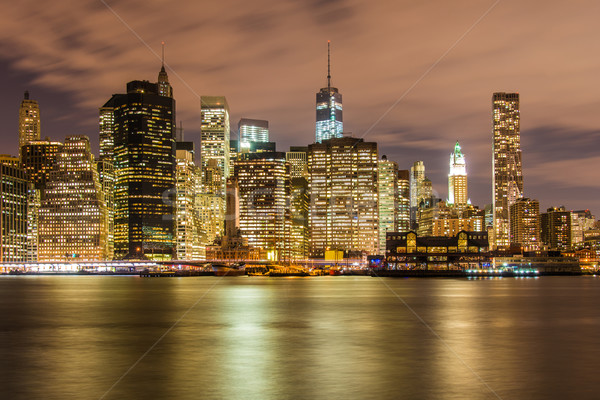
x=296 y=157
x=417 y=176
x=72 y=220
x=403 y=213
x=329 y=108
x=144 y=164
x=253 y=130
x=215 y=134
x=29 y=121
x=556 y=228
x=13 y=210
x=188 y=219
x=457 y=178
x=343 y=196
x=507 y=170
x=264 y=189
x=388 y=199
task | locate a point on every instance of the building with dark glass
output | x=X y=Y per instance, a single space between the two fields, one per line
x=556 y=228
x=143 y=130
x=13 y=210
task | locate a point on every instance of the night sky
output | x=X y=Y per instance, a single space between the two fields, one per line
x=436 y=62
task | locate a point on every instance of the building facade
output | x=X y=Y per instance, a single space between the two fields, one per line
x=343 y=196
x=13 y=210
x=403 y=213
x=215 y=136
x=457 y=178
x=72 y=219
x=144 y=168
x=253 y=130
x=507 y=166
x=525 y=224
x=388 y=199
x=556 y=228
x=29 y=121
x=188 y=178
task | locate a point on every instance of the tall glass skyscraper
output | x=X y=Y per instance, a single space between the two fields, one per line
x=215 y=137
x=507 y=168
x=29 y=121
x=253 y=130
x=144 y=165
x=329 y=109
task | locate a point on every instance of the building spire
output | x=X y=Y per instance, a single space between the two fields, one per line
x=328 y=65
x=163 y=55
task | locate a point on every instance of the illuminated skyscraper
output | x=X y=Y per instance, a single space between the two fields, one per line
x=144 y=165
x=403 y=202
x=525 y=224
x=13 y=210
x=507 y=169
x=188 y=219
x=457 y=178
x=215 y=138
x=297 y=158
x=264 y=190
x=343 y=188
x=29 y=121
x=72 y=220
x=253 y=130
x=417 y=176
x=329 y=109
x=388 y=199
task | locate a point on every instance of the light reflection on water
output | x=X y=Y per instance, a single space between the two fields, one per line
x=323 y=338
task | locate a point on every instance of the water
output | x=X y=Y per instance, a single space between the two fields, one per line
x=298 y=338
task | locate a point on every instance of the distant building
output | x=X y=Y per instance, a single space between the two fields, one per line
x=457 y=178
x=581 y=222
x=417 y=175
x=143 y=133
x=29 y=121
x=253 y=130
x=188 y=229
x=297 y=158
x=329 y=109
x=13 y=209
x=299 y=203
x=215 y=137
x=556 y=228
x=343 y=188
x=37 y=158
x=72 y=219
x=525 y=224
x=264 y=191
x=507 y=168
x=387 y=199
x=403 y=202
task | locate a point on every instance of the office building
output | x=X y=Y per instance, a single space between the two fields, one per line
x=29 y=121
x=72 y=218
x=188 y=230
x=556 y=228
x=253 y=130
x=525 y=224
x=143 y=130
x=507 y=169
x=215 y=136
x=403 y=202
x=344 y=203
x=297 y=158
x=13 y=209
x=457 y=178
x=329 y=109
x=263 y=183
x=388 y=199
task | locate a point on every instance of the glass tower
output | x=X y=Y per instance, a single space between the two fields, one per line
x=29 y=121
x=457 y=178
x=329 y=109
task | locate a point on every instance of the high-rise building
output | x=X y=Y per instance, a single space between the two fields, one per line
x=143 y=130
x=403 y=213
x=388 y=199
x=343 y=196
x=417 y=176
x=253 y=130
x=329 y=109
x=507 y=169
x=299 y=203
x=188 y=219
x=581 y=222
x=72 y=219
x=13 y=210
x=457 y=178
x=38 y=158
x=264 y=190
x=215 y=138
x=29 y=121
x=525 y=224
x=556 y=228
x=297 y=158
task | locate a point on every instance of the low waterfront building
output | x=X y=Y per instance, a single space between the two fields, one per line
x=407 y=250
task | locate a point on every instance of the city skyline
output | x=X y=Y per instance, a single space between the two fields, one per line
x=70 y=73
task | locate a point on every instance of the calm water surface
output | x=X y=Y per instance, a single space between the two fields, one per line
x=299 y=338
